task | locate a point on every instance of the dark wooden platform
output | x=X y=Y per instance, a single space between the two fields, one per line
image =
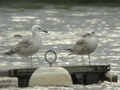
x=88 y=74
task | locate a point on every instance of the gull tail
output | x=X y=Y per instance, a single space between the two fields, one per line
x=10 y=52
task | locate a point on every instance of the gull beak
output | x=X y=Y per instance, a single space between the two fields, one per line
x=93 y=32
x=45 y=31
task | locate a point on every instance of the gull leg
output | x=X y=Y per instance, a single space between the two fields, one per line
x=82 y=58
x=31 y=61
x=89 y=58
x=38 y=58
x=26 y=59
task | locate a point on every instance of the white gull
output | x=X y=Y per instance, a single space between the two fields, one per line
x=29 y=45
x=85 y=46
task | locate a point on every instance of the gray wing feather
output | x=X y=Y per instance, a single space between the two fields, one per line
x=24 y=44
x=80 y=46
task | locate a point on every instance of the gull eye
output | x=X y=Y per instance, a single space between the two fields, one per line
x=93 y=32
x=39 y=28
x=88 y=34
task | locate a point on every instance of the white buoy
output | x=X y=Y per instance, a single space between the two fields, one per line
x=50 y=76
x=111 y=76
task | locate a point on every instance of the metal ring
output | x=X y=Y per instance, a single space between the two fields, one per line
x=55 y=57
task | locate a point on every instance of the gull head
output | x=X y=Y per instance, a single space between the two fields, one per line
x=88 y=34
x=17 y=36
x=38 y=28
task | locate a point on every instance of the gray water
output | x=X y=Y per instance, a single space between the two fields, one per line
x=65 y=25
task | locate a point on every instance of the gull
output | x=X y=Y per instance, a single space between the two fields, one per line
x=29 y=45
x=85 y=46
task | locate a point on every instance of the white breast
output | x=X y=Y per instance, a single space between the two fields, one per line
x=91 y=43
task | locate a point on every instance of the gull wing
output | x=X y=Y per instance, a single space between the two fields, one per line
x=80 y=46
x=23 y=45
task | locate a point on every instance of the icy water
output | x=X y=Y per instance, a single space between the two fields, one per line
x=65 y=25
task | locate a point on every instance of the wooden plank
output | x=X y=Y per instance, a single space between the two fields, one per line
x=71 y=69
